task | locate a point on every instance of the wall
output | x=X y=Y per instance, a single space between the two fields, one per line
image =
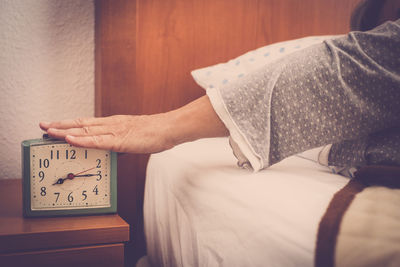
x=46 y=70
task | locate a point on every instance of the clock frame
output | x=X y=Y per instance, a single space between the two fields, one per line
x=26 y=185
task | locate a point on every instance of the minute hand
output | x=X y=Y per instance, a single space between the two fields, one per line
x=86 y=175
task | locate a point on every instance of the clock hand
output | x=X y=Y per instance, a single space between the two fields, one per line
x=71 y=176
x=87 y=175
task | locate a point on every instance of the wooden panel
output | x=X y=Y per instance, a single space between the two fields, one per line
x=145 y=50
x=115 y=80
x=175 y=37
x=18 y=233
x=103 y=255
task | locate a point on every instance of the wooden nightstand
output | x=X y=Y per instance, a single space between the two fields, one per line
x=62 y=241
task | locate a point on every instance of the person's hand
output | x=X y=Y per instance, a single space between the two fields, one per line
x=120 y=133
x=144 y=133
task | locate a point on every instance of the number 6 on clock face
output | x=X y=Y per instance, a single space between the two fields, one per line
x=59 y=179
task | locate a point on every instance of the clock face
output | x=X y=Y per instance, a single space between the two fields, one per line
x=66 y=177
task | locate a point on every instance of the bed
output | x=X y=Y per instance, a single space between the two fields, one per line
x=200 y=209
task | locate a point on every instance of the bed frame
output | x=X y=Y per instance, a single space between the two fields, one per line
x=145 y=50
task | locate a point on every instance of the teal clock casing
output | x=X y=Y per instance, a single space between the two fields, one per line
x=62 y=180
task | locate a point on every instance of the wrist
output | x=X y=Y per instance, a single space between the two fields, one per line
x=170 y=134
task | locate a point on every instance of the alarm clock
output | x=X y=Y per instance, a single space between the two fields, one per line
x=60 y=179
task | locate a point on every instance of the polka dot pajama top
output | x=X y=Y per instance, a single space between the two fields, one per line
x=342 y=92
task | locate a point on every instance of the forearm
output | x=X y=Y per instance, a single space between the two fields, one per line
x=194 y=121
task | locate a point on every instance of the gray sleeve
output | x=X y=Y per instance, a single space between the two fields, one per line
x=342 y=89
x=381 y=148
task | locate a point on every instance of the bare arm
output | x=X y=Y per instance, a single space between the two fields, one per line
x=142 y=133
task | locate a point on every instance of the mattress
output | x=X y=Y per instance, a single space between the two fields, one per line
x=200 y=209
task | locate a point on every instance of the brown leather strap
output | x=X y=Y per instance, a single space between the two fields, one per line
x=330 y=223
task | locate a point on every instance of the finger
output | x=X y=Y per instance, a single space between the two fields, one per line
x=44 y=125
x=76 y=123
x=84 y=131
x=95 y=141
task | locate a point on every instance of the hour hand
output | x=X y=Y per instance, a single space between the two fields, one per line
x=59 y=181
x=70 y=176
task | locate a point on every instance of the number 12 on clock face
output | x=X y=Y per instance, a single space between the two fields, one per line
x=59 y=179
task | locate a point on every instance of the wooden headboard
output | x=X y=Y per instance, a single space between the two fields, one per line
x=145 y=50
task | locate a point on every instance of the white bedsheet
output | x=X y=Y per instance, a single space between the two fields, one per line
x=202 y=210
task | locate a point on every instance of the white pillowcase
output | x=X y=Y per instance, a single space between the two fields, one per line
x=218 y=75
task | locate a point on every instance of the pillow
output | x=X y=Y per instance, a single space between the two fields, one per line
x=221 y=74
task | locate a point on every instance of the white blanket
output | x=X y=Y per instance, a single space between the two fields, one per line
x=202 y=210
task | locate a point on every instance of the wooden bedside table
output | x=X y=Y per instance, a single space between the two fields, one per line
x=62 y=241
